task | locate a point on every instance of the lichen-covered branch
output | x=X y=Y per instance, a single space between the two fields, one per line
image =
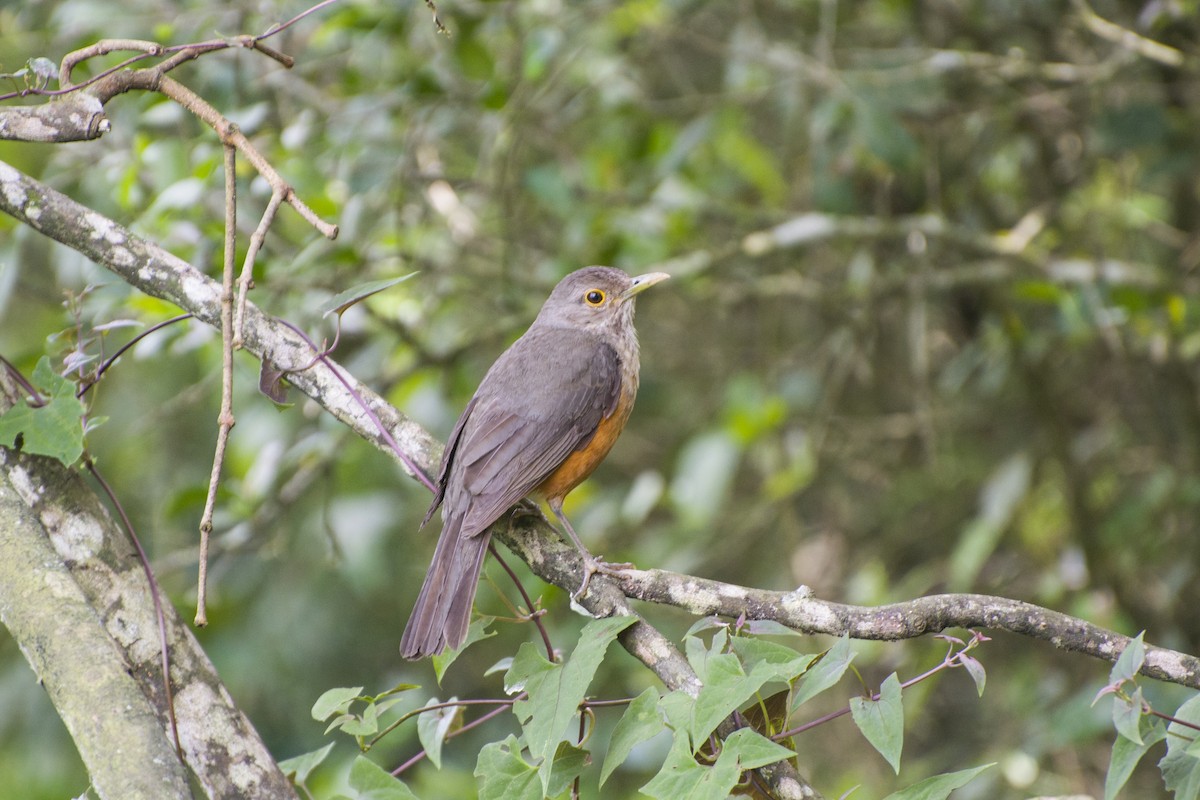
x=75 y=117
x=82 y=670
x=907 y=620
x=75 y=598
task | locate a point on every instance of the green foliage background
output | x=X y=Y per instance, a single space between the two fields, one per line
x=977 y=372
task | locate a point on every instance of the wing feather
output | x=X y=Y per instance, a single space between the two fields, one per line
x=525 y=420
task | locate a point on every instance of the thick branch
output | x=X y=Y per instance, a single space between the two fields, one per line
x=82 y=670
x=96 y=648
x=907 y=620
x=158 y=273
x=75 y=117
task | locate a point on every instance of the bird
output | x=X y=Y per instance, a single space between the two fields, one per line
x=545 y=415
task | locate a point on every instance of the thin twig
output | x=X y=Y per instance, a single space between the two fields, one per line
x=433 y=707
x=155 y=595
x=437 y=20
x=314 y=9
x=225 y=420
x=537 y=620
x=103 y=48
x=1135 y=42
x=951 y=661
x=108 y=362
x=246 y=279
x=404 y=457
x=231 y=135
x=473 y=724
x=153 y=49
x=32 y=395
x=582 y=733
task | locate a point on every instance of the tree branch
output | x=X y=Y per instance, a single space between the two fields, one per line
x=73 y=596
x=76 y=117
x=82 y=670
x=910 y=619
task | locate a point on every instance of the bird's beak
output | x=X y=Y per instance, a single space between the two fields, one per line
x=643 y=282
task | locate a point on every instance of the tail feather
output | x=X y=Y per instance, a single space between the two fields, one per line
x=443 y=610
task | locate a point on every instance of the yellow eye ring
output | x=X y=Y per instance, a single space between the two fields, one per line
x=595 y=297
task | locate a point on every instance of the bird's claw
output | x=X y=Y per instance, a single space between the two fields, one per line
x=596 y=564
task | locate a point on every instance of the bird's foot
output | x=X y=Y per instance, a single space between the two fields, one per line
x=596 y=564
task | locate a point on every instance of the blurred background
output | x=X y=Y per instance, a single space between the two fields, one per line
x=933 y=328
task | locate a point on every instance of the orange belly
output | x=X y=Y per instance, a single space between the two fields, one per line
x=580 y=464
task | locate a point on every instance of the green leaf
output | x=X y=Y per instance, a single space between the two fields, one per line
x=339 y=721
x=682 y=777
x=1126 y=754
x=372 y=782
x=825 y=673
x=698 y=654
x=706 y=624
x=1130 y=662
x=1127 y=715
x=975 y=669
x=783 y=662
x=639 y=723
x=344 y=300
x=752 y=750
x=1181 y=769
x=769 y=627
x=432 y=727
x=529 y=667
x=335 y=701
x=882 y=720
x=53 y=429
x=476 y=632
x=726 y=688
x=676 y=706
x=399 y=688
x=938 y=787
x=298 y=767
x=504 y=775
x=365 y=725
x=569 y=763
x=556 y=690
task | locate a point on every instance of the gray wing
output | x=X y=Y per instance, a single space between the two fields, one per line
x=447 y=460
x=518 y=429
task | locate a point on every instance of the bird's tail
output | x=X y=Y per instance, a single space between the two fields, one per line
x=443 y=609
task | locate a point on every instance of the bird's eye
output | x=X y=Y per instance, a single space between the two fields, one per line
x=594 y=297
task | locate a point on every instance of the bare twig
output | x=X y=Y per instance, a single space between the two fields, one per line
x=230 y=135
x=952 y=660
x=225 y=420
x=472 y=724
x=246 y=279
x=146 y=49
x=103 y=48
x=437 y=20
x=385 y=434
x=535 y=617
x=1134 y=42
x=108 y=362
